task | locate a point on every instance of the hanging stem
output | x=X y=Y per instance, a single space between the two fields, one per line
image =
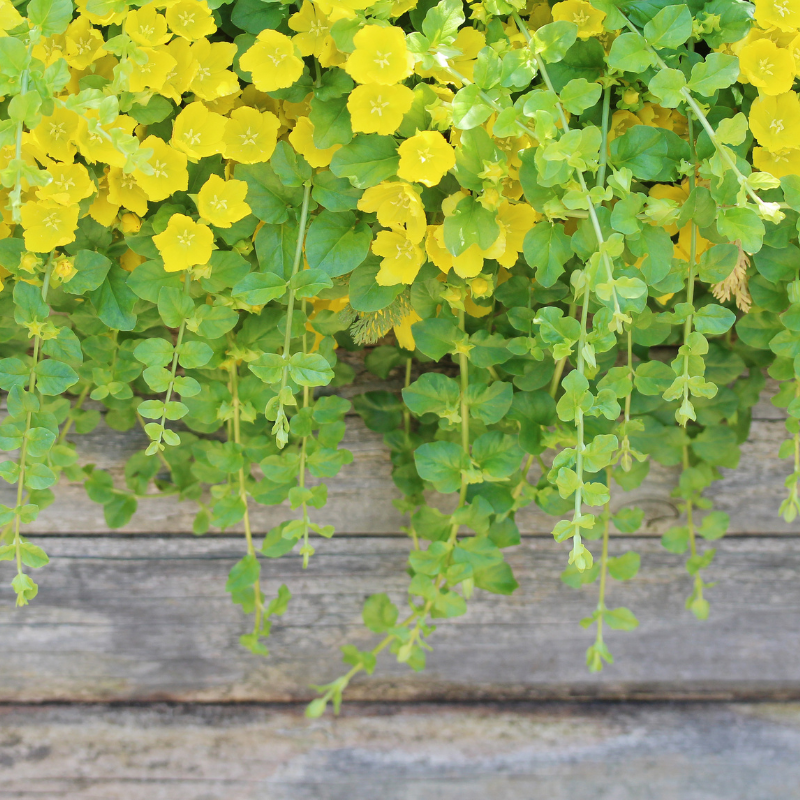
x=601 y=599
x=233 y=371
x=601 y=168
x=280 y=429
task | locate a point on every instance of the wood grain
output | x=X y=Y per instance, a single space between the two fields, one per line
x=146 y=618
x=360 y=497
x=505 y=752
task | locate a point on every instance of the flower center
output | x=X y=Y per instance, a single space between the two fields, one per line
x=276 y=57
x=185 y=239
x=57 y=130
x=248 y=137
x=203 y=73
x=186 y=18
x=782 y=8
x=377 y=105
x=580 y=18
x=65 y=183
x=382 y=59
x=219 y=203
x=765 y=66
x=51 y=220
x=192 y=137
x=424 y=155
x=776 y=126
x=159 y=170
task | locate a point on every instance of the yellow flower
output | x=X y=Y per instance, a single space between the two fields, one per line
x=109 y=18
x=102 y=210
x=153 y=73
x=56 y=133
x=426 y=158
x=9 y=16
x=515 y=221
x=169 y=172
x=775 y=121
x=30 y=262
x=124 y=191
x=146 y=26
x=783 y=14
x=48 y=225
x=178 y=80
x=780 y=164
x=380 y=56
x=71 y=184
x=272 y=61
x=402 y=258
x=769 y=68
x=621 y=122
x=396 y=204
x=84 y=44
x=469 y=42
x=312 y=27
x=64 y=268
x=302 y=139
x=198 y=132
x=95 y=146
x=221 y=202
x=405 y=338
x=213 y=78
x=185 y=243
x=191 y=19
x=130 y=223
x=378 y=109
x=130 y=260
x=588 y=19
x=250 y=135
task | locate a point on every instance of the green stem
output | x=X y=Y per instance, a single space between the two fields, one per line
x=601 y=599
x=233 y=371
x=71 y=416
x=601 y=168
x=23 y=456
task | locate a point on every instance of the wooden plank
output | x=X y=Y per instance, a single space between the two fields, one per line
x=146 y=618
x=751 y=494
x=537 y=752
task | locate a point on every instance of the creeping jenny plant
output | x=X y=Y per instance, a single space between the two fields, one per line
x=569 y=228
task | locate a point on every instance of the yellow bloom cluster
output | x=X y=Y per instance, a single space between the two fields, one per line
x=769 y=59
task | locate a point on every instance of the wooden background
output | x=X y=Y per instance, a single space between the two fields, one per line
x=124 y=680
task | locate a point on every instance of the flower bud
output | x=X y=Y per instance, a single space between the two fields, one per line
x=243 y=247
x=130 y=223
x=29 y=262
x=64 y=268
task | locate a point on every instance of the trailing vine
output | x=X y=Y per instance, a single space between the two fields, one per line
x=564 y=234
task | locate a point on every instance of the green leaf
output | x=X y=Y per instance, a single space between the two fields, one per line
x=214 y=321
x=620 y=619
x=13 y=372
x=254 y=16
x=310 y=369
x=309 y=283
x=92 y=269
x=174 y=306
x=646 y=152
x=497 y=454
x=33 y=556
x=441 y=464
x=366 y=161
x=379 y=613
x=718 y=71
x=470 y=224
x=38 y=477
x=579 y=94
x=671 y=27
x=490 y=403
x=148 y=278
x=227 y=269
x=267 y=197
x=51 y=16
x=497 y=579
x=547 y=249
x=365 y=293
x=335 y=194
x=258 y=288
x=381 y=411
x=718 y=262
x=433 y=393
x=54 y=377
x=114 y=300
x=192 y=355
x=244 y=573
x=337 y=243
x=154 y=352
x=552 y=41
x=331 y=121
x=268 y=367
x=629 y=53
x=744 y=225
x=713 y=319
x=442 y=22
x=624 y=567
x=667 y=85
x=653 y=377
x=436 y=337
x=40 y=440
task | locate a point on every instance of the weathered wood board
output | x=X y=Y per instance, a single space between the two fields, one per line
x=507 y=752
x=146 y=618
x=360 y=496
